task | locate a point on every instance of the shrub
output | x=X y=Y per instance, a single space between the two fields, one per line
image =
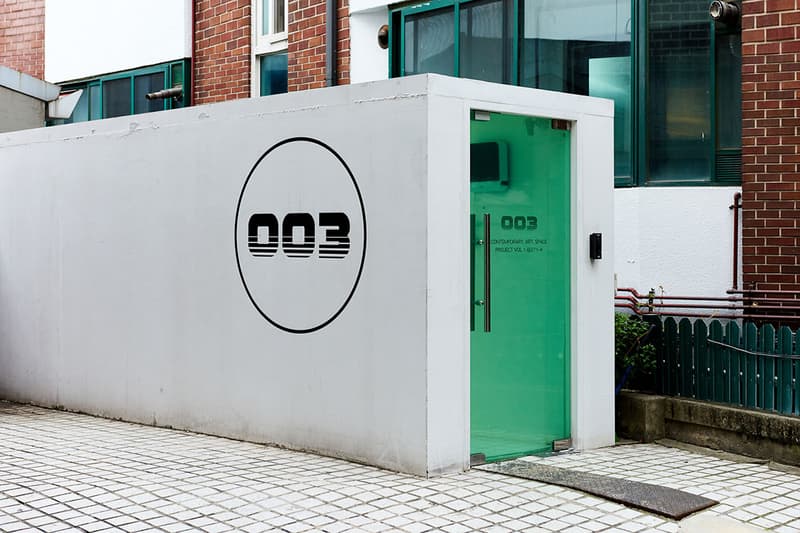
x=635 y=356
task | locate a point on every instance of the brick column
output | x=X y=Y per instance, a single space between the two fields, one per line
x=770 y=138
x=221 y=69
x=307 y=44
x=22 y=36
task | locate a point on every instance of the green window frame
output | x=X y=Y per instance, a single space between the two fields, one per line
x=724 y=89
x=94 y=103
x=399 y=17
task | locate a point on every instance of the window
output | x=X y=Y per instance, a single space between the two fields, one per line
x=728 y=102
x=674 y=75
x=273 y=17
x=679 y=82
x=569 y=46
x=274 y=73
x=270 y=61
x=485 y=31
x=123 y=93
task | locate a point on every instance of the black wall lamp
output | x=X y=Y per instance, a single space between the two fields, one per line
x=595 y=246
x=383 y=36
x=726 y=12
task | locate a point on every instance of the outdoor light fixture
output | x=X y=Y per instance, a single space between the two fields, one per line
x=175 y=92
x=383 y=36
x=722 y=11
x=595 y=246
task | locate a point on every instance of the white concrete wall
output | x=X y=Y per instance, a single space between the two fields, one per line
x=19 y=111
x=368 y=62
x=89 y=37
x=122 y=293
x=676 y=240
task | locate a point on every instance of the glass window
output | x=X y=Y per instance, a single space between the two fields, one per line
x=265 y=29
x=81 y=111
x=676 y=86
x=268 y=52
x=485 y=32
x=567 y=45
x=610 y=77
x=117 y=98
x=274 y=74
x=678 y=111
x=123 y=93
x=729 y=92
x=429 y=42
x=279 y=14
x=728 y=163
x=95 y=108
x=147 y=83
x=177 y=80
x=272 y=16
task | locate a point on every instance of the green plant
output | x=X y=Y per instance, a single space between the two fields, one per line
x=635 y=356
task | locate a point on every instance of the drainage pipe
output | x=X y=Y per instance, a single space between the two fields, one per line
x=736 y=206
x=192 y=82
x=637 y=311
x=331 y=38
x=637 y=294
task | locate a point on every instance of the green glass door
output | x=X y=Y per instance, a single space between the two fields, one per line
x=520 y=265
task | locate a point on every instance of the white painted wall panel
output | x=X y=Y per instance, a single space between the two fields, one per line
x=593 y=320
x=90 y=37
x=19 y=111
x=448 y=317
x=678 y=240
x=368 y=62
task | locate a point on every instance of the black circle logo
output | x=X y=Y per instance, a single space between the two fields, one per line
x=300 y=235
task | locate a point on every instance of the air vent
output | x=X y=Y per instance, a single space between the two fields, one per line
x=729 y=165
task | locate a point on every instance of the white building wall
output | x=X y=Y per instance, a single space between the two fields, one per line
x=19 y=111
x=676 y=240
x=368 y=62
x=89 y=37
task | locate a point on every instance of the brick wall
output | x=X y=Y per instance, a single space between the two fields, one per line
x=770 y=139
x=307 y=44
x=221 y=69
x=22 y=36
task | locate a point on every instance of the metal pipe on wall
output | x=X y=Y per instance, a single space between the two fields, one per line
x=192 y=83
x=738 y=305
x=331 y=38
x=736 y=206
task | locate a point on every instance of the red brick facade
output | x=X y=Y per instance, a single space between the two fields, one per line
x=770 y=140
x=22 y=36
x=222 y=34
x=307 y=44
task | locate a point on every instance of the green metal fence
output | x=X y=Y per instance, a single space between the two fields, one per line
x=748 y=366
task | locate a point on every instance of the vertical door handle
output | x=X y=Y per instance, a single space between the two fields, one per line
x=487 y=275
x=472 y=272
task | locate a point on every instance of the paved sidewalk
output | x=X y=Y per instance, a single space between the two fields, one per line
x=68 y=472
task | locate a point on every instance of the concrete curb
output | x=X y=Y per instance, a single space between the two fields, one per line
x=752 y=433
